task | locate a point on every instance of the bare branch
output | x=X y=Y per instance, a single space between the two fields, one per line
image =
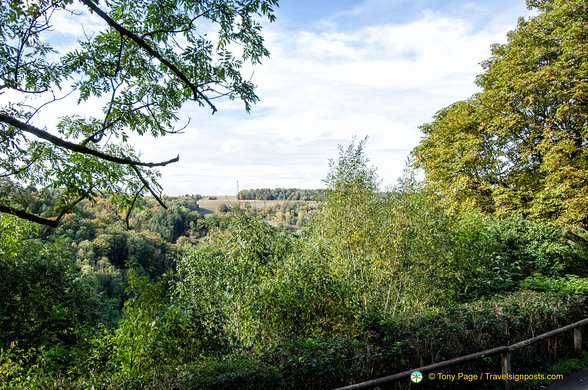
x=77 y=147
x=97 y=136
x=128 y=216
x=55 y=99
x=148 y=186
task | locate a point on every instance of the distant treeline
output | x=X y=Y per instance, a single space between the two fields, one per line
x=280 y=194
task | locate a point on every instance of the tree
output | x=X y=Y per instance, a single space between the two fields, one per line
x=44 y=298
x=149 y=59
x=349 y=218
x=520 y=145
x=390 y=248
x=222 y=276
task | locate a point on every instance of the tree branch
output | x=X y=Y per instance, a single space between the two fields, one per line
x=146 y=184
x=77 y=147
x=97 y=136
x=128 y=216
x=34 y=158
x=51 y=222
x=123 y=31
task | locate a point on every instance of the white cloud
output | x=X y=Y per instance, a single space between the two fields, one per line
x=232 y=146
x=74 y=23
x=322 y=85
x=319 y=89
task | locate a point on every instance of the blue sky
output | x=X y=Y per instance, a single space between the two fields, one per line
x=338 y=69
x=371 y=68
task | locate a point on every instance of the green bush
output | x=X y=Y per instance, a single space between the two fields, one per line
x=388 y=345
x=44 y=298
x=240 y=374
x=495 y=255
x=569 y=284
x=20 y=368
x=221 y=277
x=301 y=299
x=421 y=339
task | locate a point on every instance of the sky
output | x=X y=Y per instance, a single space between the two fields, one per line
x=338 y=69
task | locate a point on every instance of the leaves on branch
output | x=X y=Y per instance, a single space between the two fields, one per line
x=147 y=60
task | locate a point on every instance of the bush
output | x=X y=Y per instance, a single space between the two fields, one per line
x=242 y=374
x=495 y=255
x=44 y=298
x=569 y=284
x=387 y=345
x=411 y=341
x=221 y=277
x=301 y=299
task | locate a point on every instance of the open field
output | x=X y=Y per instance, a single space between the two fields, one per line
x=208 y=206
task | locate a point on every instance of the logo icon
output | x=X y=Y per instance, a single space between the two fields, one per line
x=416 y=376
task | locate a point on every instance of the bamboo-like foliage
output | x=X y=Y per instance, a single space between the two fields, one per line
x=389 y=246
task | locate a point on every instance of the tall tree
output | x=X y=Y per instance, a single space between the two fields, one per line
x=348 y=221
x=142 y=65
x=520 y=145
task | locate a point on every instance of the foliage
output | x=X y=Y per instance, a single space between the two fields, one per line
x=387 y=345
x=142 y=67
x=222 y=209
x=423 y=338
x=570 y=365
x=22 y=368
x=495 y=254
x=569 y=284
x=301 y=298
x=390 y=248
x=414 y=246
x=349 y=220
x=44 y=298
x=280 y=194
x=519 y=146
x=157 y=334
x=245 y=373
x=371 y=285
x=175 y=222
x=221 y=276
x=136 y=346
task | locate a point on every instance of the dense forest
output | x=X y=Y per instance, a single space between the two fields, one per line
x=106 y=288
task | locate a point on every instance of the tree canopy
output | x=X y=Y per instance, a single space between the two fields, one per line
x=520 y=145
x=140 y=67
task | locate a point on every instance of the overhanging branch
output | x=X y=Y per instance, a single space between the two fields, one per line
x=128 y=216
x=141 y=42
x=148 y=186
x=77 y=147
x=51 y=222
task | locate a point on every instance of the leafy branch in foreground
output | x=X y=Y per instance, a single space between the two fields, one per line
x=141 y=62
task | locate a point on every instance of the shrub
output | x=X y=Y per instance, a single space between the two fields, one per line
x=495 y=255
x=241 y=374
x=569 y=284
x=44 y=298
x=387 y=345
